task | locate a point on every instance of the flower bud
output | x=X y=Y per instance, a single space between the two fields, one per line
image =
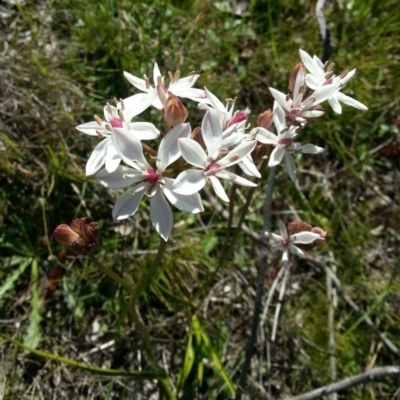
x=293 y=75
x=300 y=226
x=265 y=119
x=64 y=235
x=82 y=236
x=174 y=112
x=238 y=117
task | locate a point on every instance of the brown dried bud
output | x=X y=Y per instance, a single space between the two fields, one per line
x=293 y=75
x=297 y=226
x=64 y=235
x=198 y=137
x=174 y=112
x=82 y=236
x=265 y=119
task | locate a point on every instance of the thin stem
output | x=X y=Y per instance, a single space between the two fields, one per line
x=372 y=375
x=144 y=281
x=262 y=268
x=82 y=366
x=230 y=243
x=232 y=199
x=134 y=295
x=279 y=305
x=331 y=317
x=110 y=273
x=164 y=381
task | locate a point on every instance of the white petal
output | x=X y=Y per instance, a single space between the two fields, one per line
x=211 y=131
x=276 y=155
x=144 y=130
x=161 y=215
x=137 y=103
x=237 y=154
x=266 y=137
x=280 y=98
x=248 y=167
x=310 y=64
x=215 y=102
x=112 y=159
x=137 y=82
x=298 y=90
x=231 y=136
x=279 y=117
x=169 y=151
x=218 y=188
x=351 y=102
x=90 y=128
x=320 y=95
x=312 y=82
x=231 y=177
x=190 y=203
x=192 y=152
x=311 y=149
x=296 y=251
x=282 y=229
x=98 y=157
x=197 y=95
x=110 y=112
x=120 y=178
x=189 y=182
x=127 y=205
x=334 y=103
x=156 y=74
x=290 y=166
x=285 y=258
x=183 y=83
x=312 y=114
x=274 y=237
x=128 y=147
x=304 y=237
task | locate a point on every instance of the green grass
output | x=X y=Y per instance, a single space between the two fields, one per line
x=62 y=62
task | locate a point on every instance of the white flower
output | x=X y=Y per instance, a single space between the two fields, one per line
x=284 y=142
x=157 y=95
x=298 y=109
x=104 y=152
x=191 y=181
x=287 y=243
x=233 y=128
x=146 y=179
x=320 y=76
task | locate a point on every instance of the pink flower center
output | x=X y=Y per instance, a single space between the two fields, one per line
x=152 y=176
x=213 y=169
x=285 y=142
x=116 y=123
x=294 y=112
x=328 y=81
x=239 y=117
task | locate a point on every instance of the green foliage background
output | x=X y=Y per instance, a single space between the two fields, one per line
x=60 y=62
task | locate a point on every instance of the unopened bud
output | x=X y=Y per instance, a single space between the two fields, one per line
x=265 y=119
x=174 y=111
x=64 y=235
x=82 y=236
x=238 y=117
x=300 y=226
x=293 y=75
x=198 y=137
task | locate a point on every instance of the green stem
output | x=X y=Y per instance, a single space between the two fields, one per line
x=76 y=364
x=110 y=273
x=134 y=295
x=142 y=284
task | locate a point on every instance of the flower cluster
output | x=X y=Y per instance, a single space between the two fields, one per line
x=182 y=158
